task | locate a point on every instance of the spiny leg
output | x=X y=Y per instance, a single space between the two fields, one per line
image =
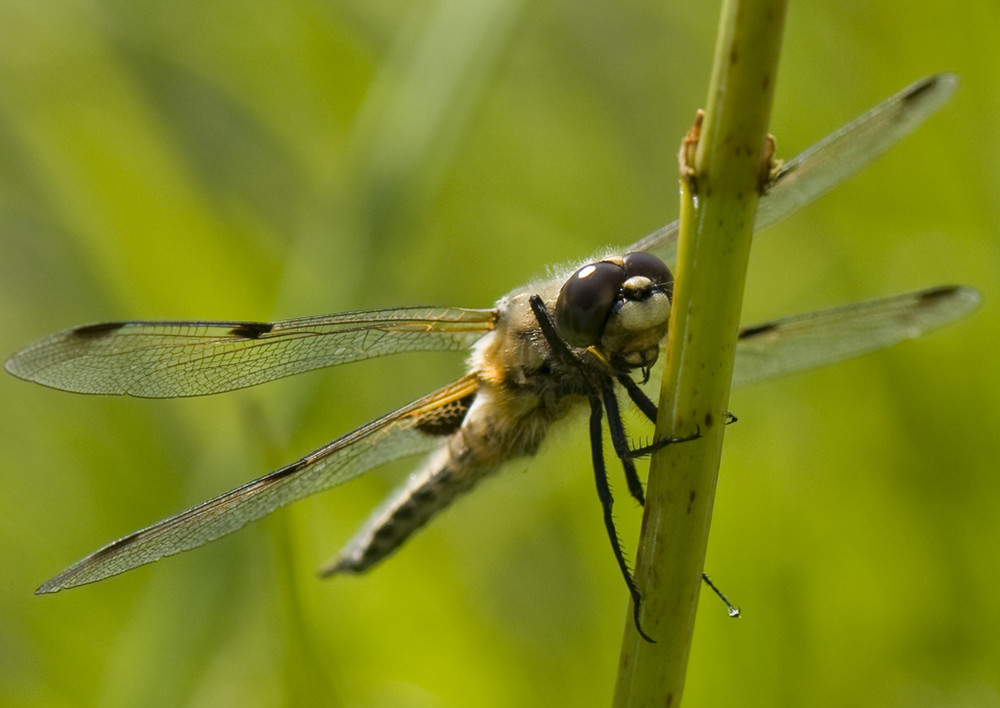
x=607 y=503
x=733 y=610
x=643 y=403
x=561 y=349
x=638 y=396
x=619 y=440
x=556 y=343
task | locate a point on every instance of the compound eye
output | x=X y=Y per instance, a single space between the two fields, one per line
x=649 y=266
x=585 y=302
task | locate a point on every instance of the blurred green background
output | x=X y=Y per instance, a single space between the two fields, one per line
x=254 y=159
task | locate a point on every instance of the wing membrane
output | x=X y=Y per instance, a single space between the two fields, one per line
x=803 y=342
x=822 y=167
x=170 y=359
x=393 y=436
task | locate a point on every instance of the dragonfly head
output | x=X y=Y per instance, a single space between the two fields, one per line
x=620 y=306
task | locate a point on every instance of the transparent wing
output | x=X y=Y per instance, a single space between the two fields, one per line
x=806 y=341
x=170 y=359
x=831 y=161
x=409 y=430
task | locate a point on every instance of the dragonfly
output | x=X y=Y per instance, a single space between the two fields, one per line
x=581 y=338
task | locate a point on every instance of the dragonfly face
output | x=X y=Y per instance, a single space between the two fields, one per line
x=540 y=352
x=620 y=305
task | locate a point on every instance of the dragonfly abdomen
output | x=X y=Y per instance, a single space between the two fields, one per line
x=498 y=427
x=426 y=492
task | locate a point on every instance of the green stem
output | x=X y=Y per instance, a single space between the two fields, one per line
x=720 y=190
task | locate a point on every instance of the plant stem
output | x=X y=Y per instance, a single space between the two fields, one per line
x=722 y=174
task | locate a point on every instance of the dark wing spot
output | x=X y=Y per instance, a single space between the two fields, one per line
x=97 y=330
x=918 y=91
x=930 y=297
x=288 y=470
x=251 y=330
x=446 y=419
x=756 y=330
x=114 y=547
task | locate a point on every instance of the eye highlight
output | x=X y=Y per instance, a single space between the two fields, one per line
x=585 y=302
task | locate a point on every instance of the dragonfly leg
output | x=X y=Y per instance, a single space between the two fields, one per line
x=607 y=504
x=734 y=611
x=644 y=450
x=562 y=350
x=643 y=402
x=619 y=440
x=638 y=396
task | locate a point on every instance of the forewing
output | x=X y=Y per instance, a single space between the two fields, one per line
x=418 y=427
x=831 y=161
x=852 y=148
x=803 y=342
x=169 y=359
